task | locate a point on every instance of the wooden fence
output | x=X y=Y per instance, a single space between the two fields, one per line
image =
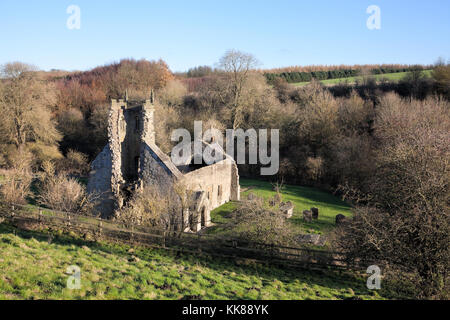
x=28 y=217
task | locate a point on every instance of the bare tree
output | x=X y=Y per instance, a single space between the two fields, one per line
x=238 y=66
x=24 y=102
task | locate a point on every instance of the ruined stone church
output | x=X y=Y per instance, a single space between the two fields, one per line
x=132 y=160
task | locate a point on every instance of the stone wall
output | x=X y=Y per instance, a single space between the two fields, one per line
x=153 y=169
x=100 y=182
x=131 y=144
x=115 y=138
x=132 y=160
x=216 y=180
x=148 y=128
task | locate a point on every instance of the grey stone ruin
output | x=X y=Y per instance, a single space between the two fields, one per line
x=131 y=160
x=307 y=215
x=287 y=208
x=315 y=213
x=340 y=219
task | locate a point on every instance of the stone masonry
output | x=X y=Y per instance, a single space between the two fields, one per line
x=132 y=160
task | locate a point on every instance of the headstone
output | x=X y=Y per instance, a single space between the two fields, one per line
x=287 y=208
x=310 y=239
x=307 y=215
x=340 y=219
x=251 y=196
x=315 y=213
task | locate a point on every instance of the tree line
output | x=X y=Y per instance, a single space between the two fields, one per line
x=296 y=76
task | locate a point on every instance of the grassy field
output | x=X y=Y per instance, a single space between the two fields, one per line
x=303 y=198
x=397 y=76
x=33 y=268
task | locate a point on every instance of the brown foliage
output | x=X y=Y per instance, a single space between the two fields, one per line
x=74 y=163
x=24 y=105
x=442 y=76
x=62 y=193
x=254 y=221
x=153 y=207
x=16 y=187
x=405 y=225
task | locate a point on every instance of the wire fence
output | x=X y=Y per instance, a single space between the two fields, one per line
x=36 y=218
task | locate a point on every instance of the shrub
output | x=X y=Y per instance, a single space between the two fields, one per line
x=314 y=168
x=172 y=94
x=74 y=163
x=255 y=222
x=63 y=193
x=153 y=207
x=442 y=76
x=16 y=187
x=405 y=224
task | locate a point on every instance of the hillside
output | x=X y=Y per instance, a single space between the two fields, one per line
x=396 y=76
x=34 y=268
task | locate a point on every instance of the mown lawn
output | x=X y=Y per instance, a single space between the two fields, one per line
x=396 y=76
x=33 y=268
x=303 y=198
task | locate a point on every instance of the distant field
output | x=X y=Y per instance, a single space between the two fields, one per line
x=33 y=268
x=303 y=198
x=397 y=76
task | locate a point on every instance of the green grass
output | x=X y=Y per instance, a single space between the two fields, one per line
x=303 y=198
x=33 y=268
x=395 y=77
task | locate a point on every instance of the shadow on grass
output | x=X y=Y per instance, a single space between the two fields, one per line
x=329 y=278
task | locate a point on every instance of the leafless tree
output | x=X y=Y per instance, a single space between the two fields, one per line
x=24 y=101
x=238 y=66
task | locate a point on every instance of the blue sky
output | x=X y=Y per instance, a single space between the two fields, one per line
x=197 y=32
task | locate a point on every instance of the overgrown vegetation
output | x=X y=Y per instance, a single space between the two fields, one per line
x=404 y=219
x=303 y=198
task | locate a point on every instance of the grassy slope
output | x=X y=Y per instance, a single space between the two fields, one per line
x=390 y=76
x=303 y=198
x=34 y=269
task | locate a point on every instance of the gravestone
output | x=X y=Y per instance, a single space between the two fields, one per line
x=307 y=215
x=340 y=219
x=315 y=213
x=287 y=208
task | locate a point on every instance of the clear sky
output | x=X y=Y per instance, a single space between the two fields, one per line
x=197 y=32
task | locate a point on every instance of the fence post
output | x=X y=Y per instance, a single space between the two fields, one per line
x=40 y=217
x=272 y=253
x=164 y=239
x=99 y=229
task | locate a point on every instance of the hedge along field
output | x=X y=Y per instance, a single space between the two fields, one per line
x=303 y=198
x=296 y=77
x=395 y=77
x=35 y=268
